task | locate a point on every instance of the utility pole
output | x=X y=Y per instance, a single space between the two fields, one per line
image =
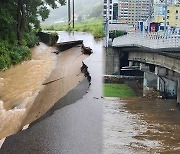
x=73 y=14
x=165 y=20
x=107 y=23
x=69 y=14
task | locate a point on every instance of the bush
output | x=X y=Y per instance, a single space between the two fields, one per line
x=92 y=25
x=5 y=62
x=12 y=54
x=23 y=52
x=31 y=39
x=15 y=58
x=117 y=33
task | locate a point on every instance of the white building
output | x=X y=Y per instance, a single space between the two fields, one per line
x=112 y=4
x=131 y=11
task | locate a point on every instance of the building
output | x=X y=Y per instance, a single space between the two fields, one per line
x=159 y=12
x=131 y=11
x=113 y=10
x=105 y=9
x=170 y=2
x=173 y=14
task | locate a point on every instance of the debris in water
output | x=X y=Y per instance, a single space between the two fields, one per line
x=52 y=81
x=86 y=50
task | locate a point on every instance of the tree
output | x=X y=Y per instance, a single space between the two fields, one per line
x=20 y=20
x=25 y=14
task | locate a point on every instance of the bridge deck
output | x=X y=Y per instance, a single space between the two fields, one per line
x=151 y=41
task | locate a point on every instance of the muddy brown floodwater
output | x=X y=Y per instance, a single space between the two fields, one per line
x=24 y=94
x=20 y=85
x=141 y=125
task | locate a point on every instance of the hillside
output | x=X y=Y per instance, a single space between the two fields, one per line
x=82 y=8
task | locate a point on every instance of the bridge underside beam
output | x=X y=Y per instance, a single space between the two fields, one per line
x=156 y=59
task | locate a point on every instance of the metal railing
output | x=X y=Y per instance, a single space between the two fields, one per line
x=150 y=40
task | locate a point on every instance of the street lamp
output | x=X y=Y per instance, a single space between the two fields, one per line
x=165 y=20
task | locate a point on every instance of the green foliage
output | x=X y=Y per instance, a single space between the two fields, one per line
x=117 y=33
x=23 y=51
x=8 y=21
x=93 y=25
x=5 y=60
x=54 y=34
x=19 y=22
x=31 y=39
x=118 y=90
x=53 y=37
x=12 y=54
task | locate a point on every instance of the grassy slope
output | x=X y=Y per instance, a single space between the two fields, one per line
x=118 y=90
x=94 y=26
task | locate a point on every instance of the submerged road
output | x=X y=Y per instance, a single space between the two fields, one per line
x=73 y=129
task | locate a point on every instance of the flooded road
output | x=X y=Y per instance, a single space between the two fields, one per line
x=141 y=126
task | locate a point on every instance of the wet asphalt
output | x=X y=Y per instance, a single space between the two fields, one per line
x=74 y=124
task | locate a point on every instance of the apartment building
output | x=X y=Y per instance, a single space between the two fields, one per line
x=173 y=14
x=113 y=10
x=105 y=9
x=131 y=11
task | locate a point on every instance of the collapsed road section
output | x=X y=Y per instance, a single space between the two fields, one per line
x=44 y=80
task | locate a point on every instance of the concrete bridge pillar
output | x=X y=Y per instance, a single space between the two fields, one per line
x=150 y=83
x=155 y=82
x=170 y=88
x=178 y=91
x=160 y=71
x=160 y=84
x=144 y=67
x=130 y=63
